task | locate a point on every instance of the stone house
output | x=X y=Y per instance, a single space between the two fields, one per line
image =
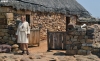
x=53 y=15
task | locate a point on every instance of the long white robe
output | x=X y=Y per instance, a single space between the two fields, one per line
x=22 y=31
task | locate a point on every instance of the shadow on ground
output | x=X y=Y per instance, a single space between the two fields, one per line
x=32 y=46
x=97 y=54
x=59 y=53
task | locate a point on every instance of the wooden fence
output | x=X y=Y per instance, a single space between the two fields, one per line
x=56 y=40
x=34 y=37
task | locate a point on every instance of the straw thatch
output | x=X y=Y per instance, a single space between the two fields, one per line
x=57 y=6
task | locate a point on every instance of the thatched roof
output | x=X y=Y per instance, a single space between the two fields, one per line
x=58 y=6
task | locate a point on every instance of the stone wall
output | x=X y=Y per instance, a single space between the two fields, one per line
x=7 y=35
x=48 y=21
x=7 y=32
x=3 y=33
x=44 y=21
x=83 y=40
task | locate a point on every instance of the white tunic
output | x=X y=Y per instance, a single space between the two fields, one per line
x=22 y=31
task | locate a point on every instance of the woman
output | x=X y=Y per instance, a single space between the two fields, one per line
x=22 y=34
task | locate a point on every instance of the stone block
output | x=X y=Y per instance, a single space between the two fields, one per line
x=91 y=37
x=83 y=41
x=77 y=33
x=3 y=26
x=89 y=41
x=67 y=37
x=68 y=42
x=68 y=47
x=71 y=52
x=96 y=39
x=11 y=42
x=75 y=37
x=88 y=52
x=0 y=38
x=81 y=37
x=4 y=30
x=6 y=34
x=0 y=30
x=76 y=43
x=35 y=22
x=75 y=47
x=89 y=45
x=90 y=30
x=96 y=50
x=79 y=46
x=86 y=48
x=85 y=44
x=32 y=57
x=15 y=50
x=1 y=34
x=71 y=37
x=96 y=45
x=71 y=32
x=83 y=33
x=15 y=46
x=96 y=34
x=85 y=37
x=82 y=52
x=5 y=38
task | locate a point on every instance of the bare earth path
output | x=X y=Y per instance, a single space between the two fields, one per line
x=41 y=48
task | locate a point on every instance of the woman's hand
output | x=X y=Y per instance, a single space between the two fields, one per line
x=27 y=35
x=16 y=36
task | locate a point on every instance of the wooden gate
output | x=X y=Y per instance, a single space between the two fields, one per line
x=34 y=37
x=56 y=40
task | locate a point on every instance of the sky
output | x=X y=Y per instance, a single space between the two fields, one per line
x=93 y=6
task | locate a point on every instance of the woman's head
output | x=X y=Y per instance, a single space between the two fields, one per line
x=23 y=18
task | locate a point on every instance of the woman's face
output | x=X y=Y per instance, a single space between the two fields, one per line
x=23 y=18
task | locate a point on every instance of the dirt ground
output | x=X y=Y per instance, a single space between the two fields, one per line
x=40 y=54
x=41 y=48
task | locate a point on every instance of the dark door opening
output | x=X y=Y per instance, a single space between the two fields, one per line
x=67 y=22
x=28 y=18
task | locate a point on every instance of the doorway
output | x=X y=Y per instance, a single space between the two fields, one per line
x=28 y=18
x=67 y=22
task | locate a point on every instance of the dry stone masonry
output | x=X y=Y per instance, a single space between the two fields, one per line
x=83 y=40
x=7 y=38
x=50 y=21
x=7 y=35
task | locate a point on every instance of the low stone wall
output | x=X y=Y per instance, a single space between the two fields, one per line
x=7 y=35
x=3 y=33
x=83 y=40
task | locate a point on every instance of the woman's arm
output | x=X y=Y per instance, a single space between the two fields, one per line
x=28 y=30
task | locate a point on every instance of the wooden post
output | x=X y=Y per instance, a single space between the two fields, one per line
x=48 y=40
